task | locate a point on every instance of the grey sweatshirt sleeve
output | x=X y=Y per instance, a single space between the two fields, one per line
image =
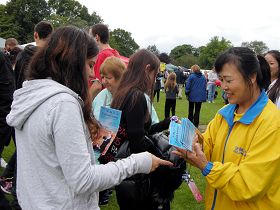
x=73 y=154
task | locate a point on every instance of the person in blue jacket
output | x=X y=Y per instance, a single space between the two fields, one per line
x=196 y=93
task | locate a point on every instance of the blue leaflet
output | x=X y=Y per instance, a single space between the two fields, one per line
x=182 y=135
x=175 y=134
x=110 y=118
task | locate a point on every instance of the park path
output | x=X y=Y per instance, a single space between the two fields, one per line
x=202 y=128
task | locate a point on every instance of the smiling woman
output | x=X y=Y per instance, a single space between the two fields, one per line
x=51 y=114
x=111 y=71
x=238 y=160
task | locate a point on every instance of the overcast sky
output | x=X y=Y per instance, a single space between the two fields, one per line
x=168 y=23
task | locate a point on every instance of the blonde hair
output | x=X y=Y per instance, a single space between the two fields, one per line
x=113 y=65
x=170 y=83
x=195 y=68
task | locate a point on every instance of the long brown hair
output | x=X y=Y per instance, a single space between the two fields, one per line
x=170 y=83
x=136 y=77
x=63 y=59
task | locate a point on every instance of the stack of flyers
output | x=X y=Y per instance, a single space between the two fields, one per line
x=182 y=135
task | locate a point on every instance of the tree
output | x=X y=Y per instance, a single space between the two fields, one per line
x=196 y=51
x=181 y=50
x=58 y=21
x=27 y=13
x=66 y=8
x=209 y=53
x=8 y=27
x=122 y=41
x=19 y=17
x=91 y=19
x=153 y=49
x=259 y=47
x=186 y=60
x=74 y=12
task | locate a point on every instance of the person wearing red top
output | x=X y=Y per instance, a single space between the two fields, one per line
x=101 y=34
x=103 y=54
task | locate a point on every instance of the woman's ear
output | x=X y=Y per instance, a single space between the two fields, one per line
x=148 y=67
x=253 y=78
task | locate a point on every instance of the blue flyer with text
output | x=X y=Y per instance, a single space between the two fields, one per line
x=110 y=120
x=182 y=135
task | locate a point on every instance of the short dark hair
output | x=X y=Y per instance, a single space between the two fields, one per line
x=102 y=31
x=44 y=29
x=163 y=57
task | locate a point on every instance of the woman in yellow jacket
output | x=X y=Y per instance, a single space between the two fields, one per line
x=241 y=158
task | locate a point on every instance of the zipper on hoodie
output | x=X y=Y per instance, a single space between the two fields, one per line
x=215 y=193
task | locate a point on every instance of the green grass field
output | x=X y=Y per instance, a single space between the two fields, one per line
x=183 y=198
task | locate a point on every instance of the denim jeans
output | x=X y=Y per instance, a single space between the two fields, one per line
x=211 y=87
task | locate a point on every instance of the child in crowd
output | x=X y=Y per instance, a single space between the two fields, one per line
x=171 y=90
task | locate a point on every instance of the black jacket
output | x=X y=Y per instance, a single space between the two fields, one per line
x=7 y=87
x=180 y=77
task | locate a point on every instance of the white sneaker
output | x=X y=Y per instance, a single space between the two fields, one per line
x=3 y=163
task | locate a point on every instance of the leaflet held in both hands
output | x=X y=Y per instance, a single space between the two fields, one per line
x=182 y=135
x=110 y=120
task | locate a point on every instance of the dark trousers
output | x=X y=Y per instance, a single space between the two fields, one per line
x=11 y=171
x=157 y=92
x=126 y=202
x=10 y=168
x=194 y=117
x=4 y=203
x=170 y=104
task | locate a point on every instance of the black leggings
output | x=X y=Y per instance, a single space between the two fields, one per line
x=194 y=117
x=157 y=92
x=170 y=104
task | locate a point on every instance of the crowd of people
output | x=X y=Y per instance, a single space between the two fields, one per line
x=50 y=100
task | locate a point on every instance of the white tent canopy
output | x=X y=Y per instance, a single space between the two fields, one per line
x=2 y=44
x=23 y=45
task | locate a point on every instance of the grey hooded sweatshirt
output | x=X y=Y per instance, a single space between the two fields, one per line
x=55 y=160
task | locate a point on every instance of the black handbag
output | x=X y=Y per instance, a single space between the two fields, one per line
x=150 y=186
